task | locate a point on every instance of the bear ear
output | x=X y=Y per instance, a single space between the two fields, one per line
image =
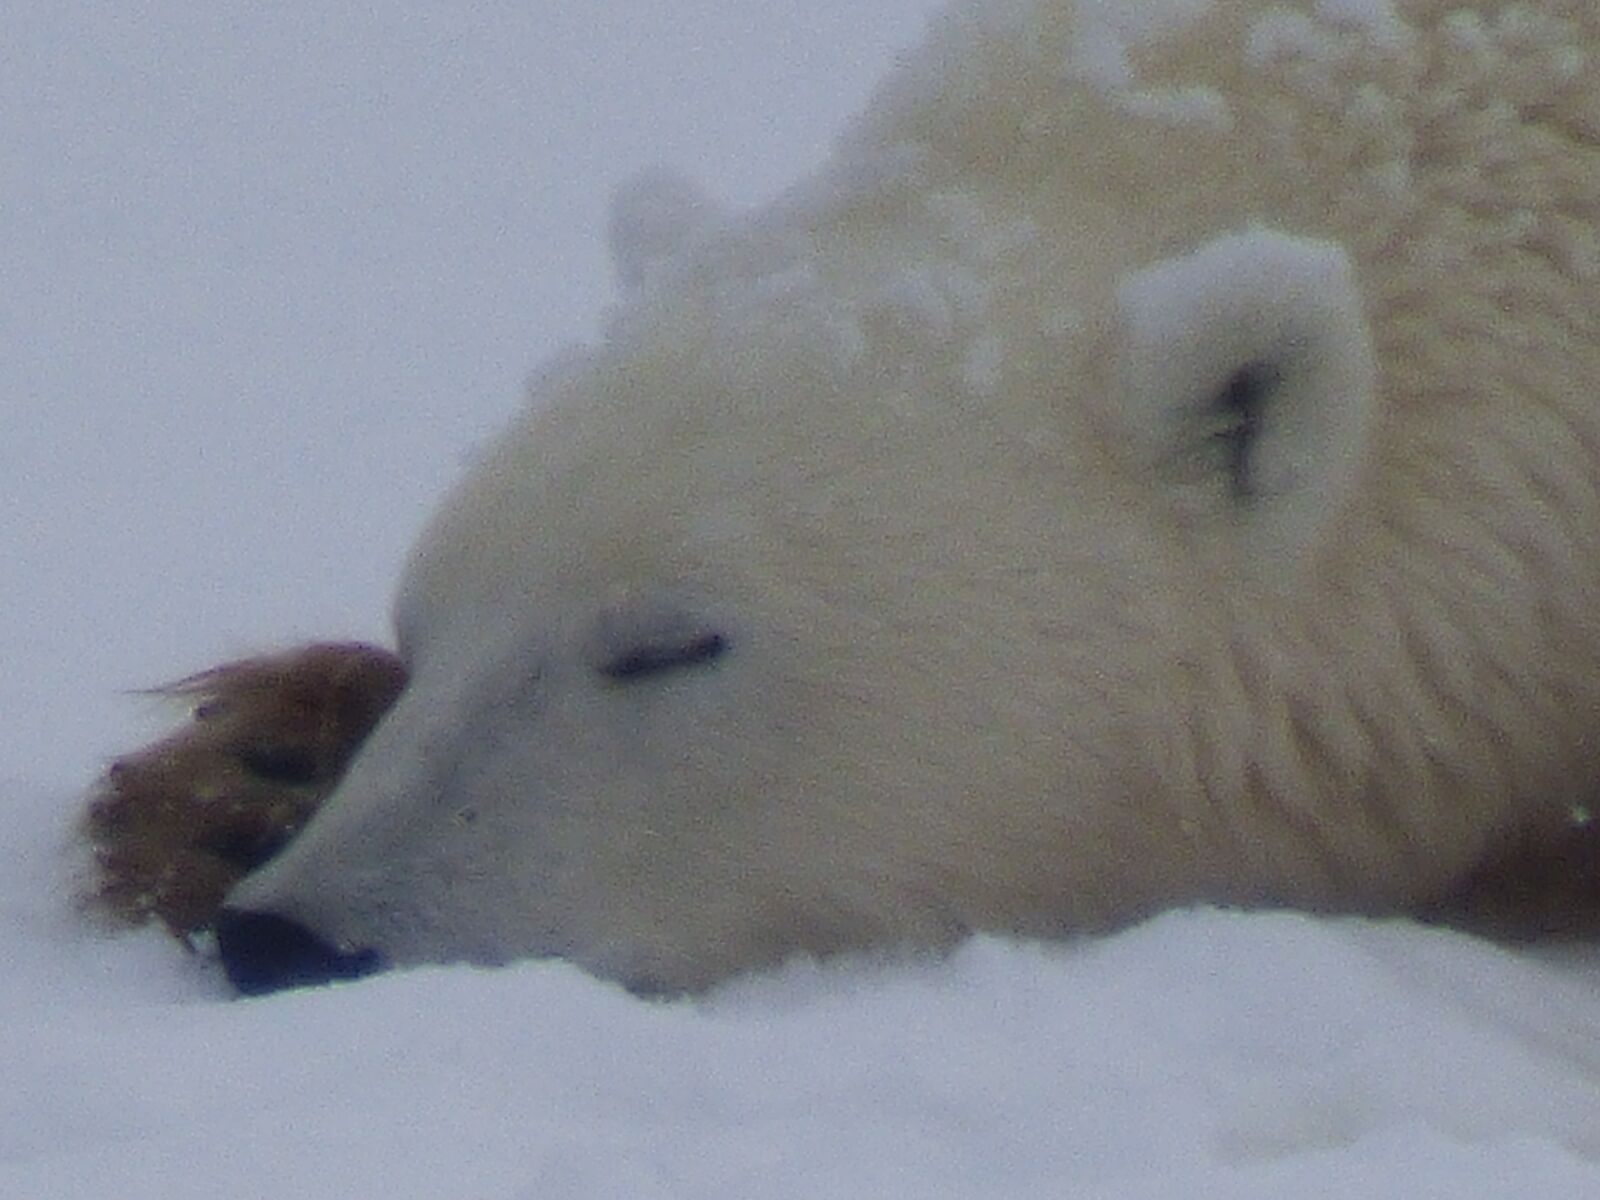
x=1248 y=376
x=654 y=215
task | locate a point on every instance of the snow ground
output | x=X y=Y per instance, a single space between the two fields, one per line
x=1202 y=1054
x=270 y=273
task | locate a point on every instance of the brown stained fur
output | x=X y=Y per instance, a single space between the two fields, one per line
x=174 y=825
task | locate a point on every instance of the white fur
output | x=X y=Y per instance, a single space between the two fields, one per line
x=925 y=442
x=1284 y=304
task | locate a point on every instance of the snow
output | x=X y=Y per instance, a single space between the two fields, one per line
x=1101 y=56
x=1109 y=32
x=270 y=274
x=1204 y=1053
x=1376 y=18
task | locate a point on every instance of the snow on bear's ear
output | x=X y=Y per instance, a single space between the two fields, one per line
x=1249 y=376
x=653 y=216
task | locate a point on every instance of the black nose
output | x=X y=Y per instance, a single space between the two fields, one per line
x=266 y=953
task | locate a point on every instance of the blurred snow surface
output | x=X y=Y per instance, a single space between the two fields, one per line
x=269 y=274
x=1203 y=1054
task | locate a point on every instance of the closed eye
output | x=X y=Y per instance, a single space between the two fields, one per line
x=649 y=658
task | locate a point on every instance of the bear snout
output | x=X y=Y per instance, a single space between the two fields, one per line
x=262 y=953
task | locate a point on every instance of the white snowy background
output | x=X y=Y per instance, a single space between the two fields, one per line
x=267 y=275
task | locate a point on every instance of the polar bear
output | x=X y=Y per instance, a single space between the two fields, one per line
x=1157 y=460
